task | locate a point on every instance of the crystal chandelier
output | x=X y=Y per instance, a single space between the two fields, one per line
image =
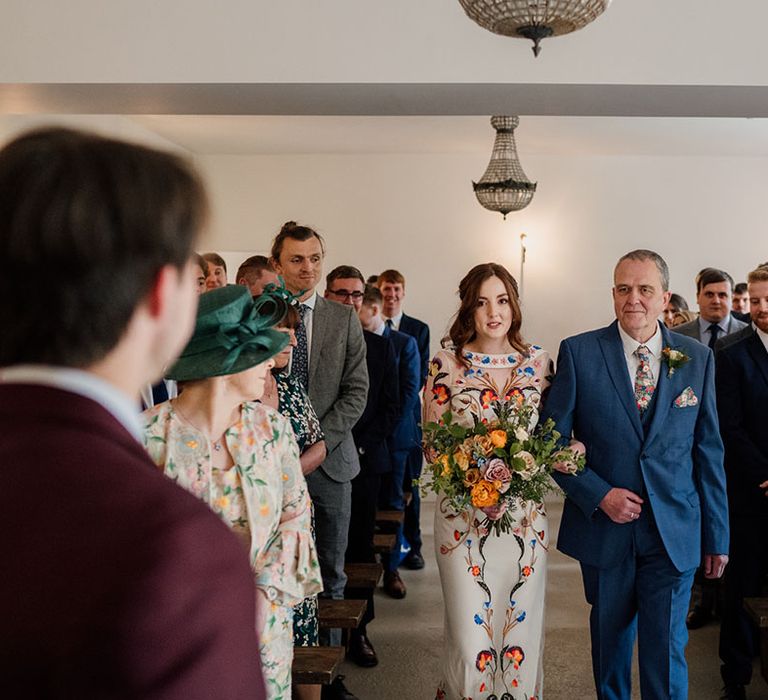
x=533 y=19
x=504 y=187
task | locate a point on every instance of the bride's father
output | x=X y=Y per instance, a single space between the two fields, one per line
x=652 y=497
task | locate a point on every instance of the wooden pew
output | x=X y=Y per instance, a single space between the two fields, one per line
x=316 y=665
x=757 y=609
x=383 y=543
x=345 y=614
x=389 y=520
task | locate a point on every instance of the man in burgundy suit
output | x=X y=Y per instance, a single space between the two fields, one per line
x=115 y=583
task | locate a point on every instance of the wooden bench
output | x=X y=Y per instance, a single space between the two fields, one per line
x=345 y=614
x=384 y=543
x=363 y=575
x=389 y=520
x=757 y=609
x=316 y=665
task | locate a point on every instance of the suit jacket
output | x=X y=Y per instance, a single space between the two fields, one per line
x=691 y=329
x=406 y=436
x=742 y=404
x=382 y=409
x=677 y=467
x=419 y=330
x=728 y=340
x=338 y=383
x=116 y=583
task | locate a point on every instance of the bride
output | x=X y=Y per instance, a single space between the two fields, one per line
x=493 y=586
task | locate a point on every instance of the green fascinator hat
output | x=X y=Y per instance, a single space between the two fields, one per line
x=232 y=333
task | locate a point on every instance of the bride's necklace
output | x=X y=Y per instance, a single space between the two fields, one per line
x=218 y=444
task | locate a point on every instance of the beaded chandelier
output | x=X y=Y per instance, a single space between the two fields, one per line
x=504 y=187
x=533 y=19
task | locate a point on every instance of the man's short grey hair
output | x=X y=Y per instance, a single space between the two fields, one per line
x=641 y=254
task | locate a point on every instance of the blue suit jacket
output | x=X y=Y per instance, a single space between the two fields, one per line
x=419 y=330
x=405 y=435
x=678 y=466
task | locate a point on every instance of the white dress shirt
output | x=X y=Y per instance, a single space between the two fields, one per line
x=76 y=381
x=395 y=321
x=763 y=337
x=654 y=345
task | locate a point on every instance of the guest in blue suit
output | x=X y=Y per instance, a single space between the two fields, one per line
x=406 y=434
x=391 y=283
x=652 y=498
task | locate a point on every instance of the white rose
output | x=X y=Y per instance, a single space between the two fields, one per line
x=530 y=468
x=521 y=434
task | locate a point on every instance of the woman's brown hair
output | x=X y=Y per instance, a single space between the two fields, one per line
x=463 y=328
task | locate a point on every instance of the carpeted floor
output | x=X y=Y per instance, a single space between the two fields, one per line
x=407 y=636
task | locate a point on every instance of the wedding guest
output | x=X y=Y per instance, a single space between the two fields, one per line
x=216 y=275
x=242 y=459
x=391 y=283
x=256 y=273
x=651 y=501
x=675 y=304
x=284 y=393
x=742 y=404
x=329 y=361
x=740 y=302
x=116 y=583
x=201 y=272
x=681 y=317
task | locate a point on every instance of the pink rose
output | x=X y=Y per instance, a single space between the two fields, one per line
x=499 y=472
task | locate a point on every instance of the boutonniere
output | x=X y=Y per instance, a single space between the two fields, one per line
x=674 y=359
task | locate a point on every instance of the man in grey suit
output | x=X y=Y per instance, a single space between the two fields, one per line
x=714 y=327
x=329 y=359
x=714 y=291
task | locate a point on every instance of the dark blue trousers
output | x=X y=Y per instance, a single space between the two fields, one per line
x=392 y=498
x=647 y=597
x=412 y=526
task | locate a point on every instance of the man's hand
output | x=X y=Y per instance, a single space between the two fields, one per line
x=621 y=505
x=714 y=565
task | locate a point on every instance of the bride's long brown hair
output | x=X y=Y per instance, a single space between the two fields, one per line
x=463 y=327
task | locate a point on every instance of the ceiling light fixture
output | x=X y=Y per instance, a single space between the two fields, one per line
x=533 y=19
x=504 y=187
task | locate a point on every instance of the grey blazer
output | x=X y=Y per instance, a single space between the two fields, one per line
x=338 y=383
x=691 y=329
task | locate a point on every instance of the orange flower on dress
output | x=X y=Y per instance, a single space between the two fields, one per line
x=475 y=570
x=527 y=571
x=192 y=444
x=484 y=494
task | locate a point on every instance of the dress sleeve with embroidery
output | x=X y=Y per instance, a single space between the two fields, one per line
x=437 y=390
x=288 y=563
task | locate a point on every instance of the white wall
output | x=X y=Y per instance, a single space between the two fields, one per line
x=417 y=213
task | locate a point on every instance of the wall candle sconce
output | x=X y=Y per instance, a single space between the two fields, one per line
x=523 y=250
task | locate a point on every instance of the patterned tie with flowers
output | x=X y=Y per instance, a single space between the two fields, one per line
x=300 y=360
x=644 y=385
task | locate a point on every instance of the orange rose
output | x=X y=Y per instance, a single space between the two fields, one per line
x=484 y=494
x=498 y=438
x=461 y=459
x=471 y=477
x=443 y=459
x=483 y=444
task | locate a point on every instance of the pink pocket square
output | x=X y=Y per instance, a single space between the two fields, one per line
x=687 y=398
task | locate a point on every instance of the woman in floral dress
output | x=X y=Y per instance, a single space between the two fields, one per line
x=241 y=457
x=493 y=586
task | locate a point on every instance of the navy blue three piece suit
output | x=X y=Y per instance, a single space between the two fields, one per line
x=742 y=404
x=637 y=576
x=371 y=432
x=411 y=528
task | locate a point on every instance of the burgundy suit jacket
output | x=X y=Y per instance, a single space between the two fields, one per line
x=114 y=582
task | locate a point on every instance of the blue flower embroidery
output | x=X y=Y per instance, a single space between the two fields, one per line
x=521 y=616
x=530 y=371
x=487 y=604
x=486 y=360
x=478 y=620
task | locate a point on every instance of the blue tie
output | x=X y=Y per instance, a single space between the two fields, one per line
x=300 y=366
x=159 y=392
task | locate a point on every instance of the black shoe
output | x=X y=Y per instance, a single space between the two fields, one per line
x=413 y=560
x=734 y=692
x=336 y=691
x=698 y=617
x=393 y=585
x=361 y=650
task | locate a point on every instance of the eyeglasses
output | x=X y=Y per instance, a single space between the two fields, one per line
x=346 y=294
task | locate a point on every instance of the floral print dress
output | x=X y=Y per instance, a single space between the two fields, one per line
x=493 y=586
x=263 y=497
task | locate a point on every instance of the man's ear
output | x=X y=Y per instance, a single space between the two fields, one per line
x=166 y=279
x=276 y=266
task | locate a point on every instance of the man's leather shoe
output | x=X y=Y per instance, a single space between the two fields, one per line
x=734 y=692
x=337 y=691
x=361 y=650
x=393 y=584
x=698 y=617
x=413 y=560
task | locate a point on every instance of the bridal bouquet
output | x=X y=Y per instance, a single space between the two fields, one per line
x=493 y=463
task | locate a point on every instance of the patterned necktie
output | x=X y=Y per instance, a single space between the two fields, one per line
x=714 y=329
x=644 y=386
x=300 y=362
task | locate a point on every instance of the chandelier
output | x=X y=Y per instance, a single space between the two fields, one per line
x=533 y=19
x=504 y=187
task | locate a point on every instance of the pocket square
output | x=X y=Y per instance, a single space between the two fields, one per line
x=686 y=398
